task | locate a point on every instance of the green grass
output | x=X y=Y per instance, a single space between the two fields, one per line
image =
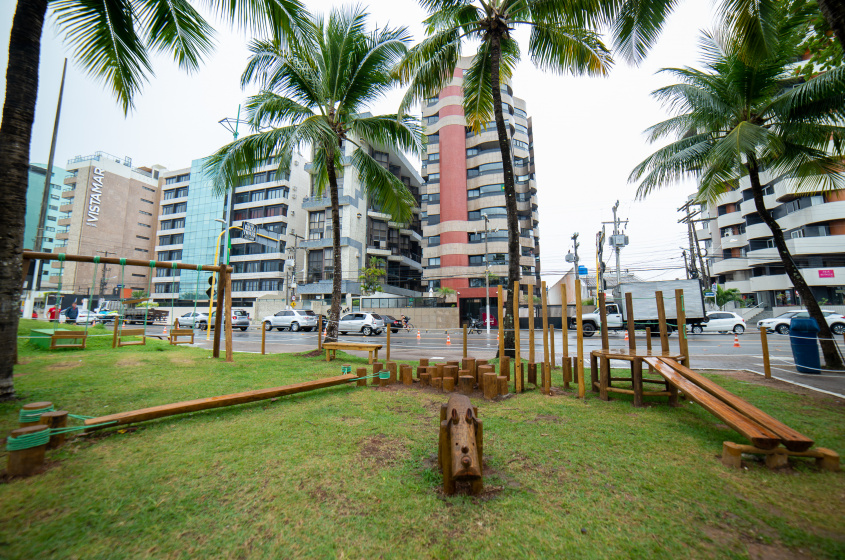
x=346 y=471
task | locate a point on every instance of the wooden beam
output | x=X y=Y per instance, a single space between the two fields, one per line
x=605 y=344
x=217 y=402
x=546 y=383
x=579 y=364
x=227 y=314
x=501 y=321
x=681 y=314
x=661 y=317
x=516 y=362
x=632 y=331
x=129 y=262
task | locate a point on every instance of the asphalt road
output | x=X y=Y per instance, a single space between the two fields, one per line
x=707 y=351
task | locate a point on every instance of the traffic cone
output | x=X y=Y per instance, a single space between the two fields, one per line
x=448 y=340
x=626 y=335
x=736 y=341
x=165 y=330
x=418 y=334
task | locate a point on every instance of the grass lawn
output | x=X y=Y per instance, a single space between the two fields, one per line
x=347 y=472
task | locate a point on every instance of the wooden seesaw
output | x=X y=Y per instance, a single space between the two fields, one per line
x=216 y=402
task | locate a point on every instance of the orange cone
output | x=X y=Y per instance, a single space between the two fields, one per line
x=448 y=340
x=165 y=330
x=626 y=335
x=736 y=341
x=418 y=334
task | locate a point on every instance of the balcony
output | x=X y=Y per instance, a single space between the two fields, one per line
x=734 y=241
x=64 y=222
x=68 y=193
x=729 y=265
x=66 y=207
x=730 y=219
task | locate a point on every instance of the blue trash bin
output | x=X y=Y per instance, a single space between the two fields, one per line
x=803 y=337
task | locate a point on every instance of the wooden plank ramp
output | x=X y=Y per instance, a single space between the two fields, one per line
x=791 y=439
x=758 y=435
x=216 y=402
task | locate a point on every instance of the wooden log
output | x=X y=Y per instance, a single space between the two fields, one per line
x=34 y=406
x=227 y=310
x=467 y=364
x=502 y=385
x=218 y=318
x=547 y=379
x=505 y=367
x=448 y=384
x=552 y=344
x=604 y=378
x=439 y=367
x=661 y=317
x=455 y=363
x=501 y=305
x=54 y=420
x=532 y=373
x=466 y=384
x=731 y=455
x=519 y=377
x=391 y=367
x=154 y=412
x=465 y=340
x=517 y=343
x=637 y=382
x=629 y=308
x=579 y=370
x=407 y=375
x=532 y=308
x=451 y=371
x=564 y=324
x=764 y=341
x=681 y=314
x=605 y=345
x=424 y=362
x=319 y=332
x=377 y=367
x=545 y=313
x=387 y=341
x=437 y=382
x=362 y=373
x=26 y=462
x=491 y=385
x=425 y=379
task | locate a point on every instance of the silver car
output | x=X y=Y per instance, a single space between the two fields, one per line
x=365 y=323
x=191 y=319
x=293 y=319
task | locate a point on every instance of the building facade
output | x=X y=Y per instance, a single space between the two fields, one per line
x=108 y=209
x=742 y=253
x=192 y=216
x=463 y=201
x=55 y=208
x=366 y=234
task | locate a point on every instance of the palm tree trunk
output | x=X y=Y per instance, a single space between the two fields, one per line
x=831 y=355
x=510 y=322
x=334 y=314
x=834 y=12
x=15 y=135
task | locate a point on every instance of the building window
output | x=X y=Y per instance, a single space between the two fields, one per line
x=433 y=139
x=277 y=210
x=239 y=215
x=278 y=192
x=434 y=241
x=55 y=197
x=433 y=157
x=51 y=218
x=147 y=201
x=148 y=188
x=141 y=250
x=378 y=233
x=255 y=213
x=485 y=169
x=256 y=196
x=174 y=208
x=432 y=119
x=145 y=225
x=434 y=262
x=142 y=237
x=145 y=213
x=520 y=113
x=316 y=223
x=433 y=178
x=320 y=265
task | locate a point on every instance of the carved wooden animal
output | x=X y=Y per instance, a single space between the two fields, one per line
x=461 y=445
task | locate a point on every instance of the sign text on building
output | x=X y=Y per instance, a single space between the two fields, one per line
x=94 y=195
x=826 y=273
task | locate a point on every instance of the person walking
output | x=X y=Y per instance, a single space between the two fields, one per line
x=71 y=314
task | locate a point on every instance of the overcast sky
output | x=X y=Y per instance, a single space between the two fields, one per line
x=587 y=131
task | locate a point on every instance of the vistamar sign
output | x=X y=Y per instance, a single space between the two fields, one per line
x=94 y=197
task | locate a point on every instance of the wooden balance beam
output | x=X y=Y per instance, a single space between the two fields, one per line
x=216 y=402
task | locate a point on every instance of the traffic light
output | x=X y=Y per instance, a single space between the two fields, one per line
x=208 y=292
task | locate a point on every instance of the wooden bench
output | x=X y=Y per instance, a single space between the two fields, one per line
x=602 y=382
x=40 y=337
x=174 y=335
x=331 y=349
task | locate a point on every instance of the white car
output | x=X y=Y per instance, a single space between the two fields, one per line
x=721 y=321
x=780 y=324
x=191 y=319
x=365 y=323
x=82 y=318
x=293 y=319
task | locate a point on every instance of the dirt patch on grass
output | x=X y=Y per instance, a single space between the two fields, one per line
x=545 y=419
x=59 y=366
x=128 y=363
x=312 y=354
x=181 y=360
x=382 y=449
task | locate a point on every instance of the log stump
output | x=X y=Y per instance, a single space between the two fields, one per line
x=451 y=371
x=505 y=366
x=53 y=420
x=491 y=385
x=466 y=382
x=34 y=406
x=440 y=366
x=503 y=384
x=532 y=373
x=361 y=372
x=420 y=369
x=425 y=379
x=424 y=362
x=407 y=377
x=26 y=462
x=377 y=367
x=391 y=367
x=448 y=384
x=437 y=382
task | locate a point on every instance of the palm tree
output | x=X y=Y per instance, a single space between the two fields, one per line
x=725 y=296
x=112 y=39
x=314 y=91
x=555 y=44
x=747 y=117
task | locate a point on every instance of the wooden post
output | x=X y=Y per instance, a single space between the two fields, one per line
x=425 y=379
x=516 y=362
x=565 y=363
x=629 y=310
x=503 y=384
x=505 y=367
x=767 y=366
x=391 y=367
x=466 y=383
x=116 y=327
x=545 y=311
x=407 y=377
x=448 y=384
x=228 y=316
x=531 y=313
x=491 y=385
x=648 y=346
x=53 y=420
x=377 y=367
x=35 y=406
x=451 y=371
x=264 y=336
x=361 y=372
x=465 y=340
x=661 y=317
x=218 y=318
x=552 y=344
x=387 y=356
x=579 y=369
x=603 y=315
x=532 y=373
x=319 y=332
x=26 y=462
x=681 y=314
x=501 y=305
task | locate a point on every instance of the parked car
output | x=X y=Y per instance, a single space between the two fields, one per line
x=293 y=319
x=720 y=321
x=394 y=323
x=83 y=317
x=190 y=319
x=781 y=323
x=240 y=320
x=365 y=323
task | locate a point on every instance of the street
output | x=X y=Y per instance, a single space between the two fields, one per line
x=707 y=351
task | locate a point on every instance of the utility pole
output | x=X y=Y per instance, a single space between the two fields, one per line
x=103 y=280
x=695 y=248
x=573 y=258
x=617 y=241
x=686 y=266
x=487 y=273
x=291 y=277
x=599 y=261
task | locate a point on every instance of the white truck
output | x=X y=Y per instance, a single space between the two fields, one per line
x=645 y=306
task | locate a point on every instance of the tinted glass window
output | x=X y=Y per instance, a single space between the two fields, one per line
x=309 y=313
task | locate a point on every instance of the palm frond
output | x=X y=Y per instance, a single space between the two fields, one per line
x=106 y=44
x=174 y=25
x=267 y=109
x=568 y=49
x=403 y=132
x=637 y=26
x=385 y=190
x=478 y=96
x=428 y=67
x=276 y=18
x=753 y=25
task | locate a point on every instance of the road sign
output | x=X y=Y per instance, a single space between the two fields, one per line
x=248 y=231
x=582 y=270
x=709 y=294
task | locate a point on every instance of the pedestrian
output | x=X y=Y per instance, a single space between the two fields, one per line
x=71 y=314
x=51 y=313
